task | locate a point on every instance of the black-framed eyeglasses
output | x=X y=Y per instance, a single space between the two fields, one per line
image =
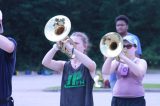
x=129 y=46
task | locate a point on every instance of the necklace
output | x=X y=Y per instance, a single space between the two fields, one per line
x=75 y=64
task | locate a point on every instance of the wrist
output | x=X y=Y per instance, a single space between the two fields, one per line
x=72 y=51
x=110 y=58
x=55 y=48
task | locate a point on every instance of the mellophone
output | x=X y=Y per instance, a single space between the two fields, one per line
x=57 y=30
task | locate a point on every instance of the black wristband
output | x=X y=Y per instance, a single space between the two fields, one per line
x=72 y=50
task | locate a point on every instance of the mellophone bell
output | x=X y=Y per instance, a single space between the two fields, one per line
x=57 y=30
x=111 y=44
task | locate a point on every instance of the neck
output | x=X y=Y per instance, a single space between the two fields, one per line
x=132 y=57
x=75 y=63
x=124 y=34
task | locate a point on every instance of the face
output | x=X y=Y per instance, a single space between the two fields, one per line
x=78 y=43
x=121 y=27
x=129 y=48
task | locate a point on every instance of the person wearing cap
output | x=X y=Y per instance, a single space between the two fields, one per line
x=122 y=22
x=7 y=66
x=130 y=71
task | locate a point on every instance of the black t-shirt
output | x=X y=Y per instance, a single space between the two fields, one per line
x=76 y=86
x=7 y=68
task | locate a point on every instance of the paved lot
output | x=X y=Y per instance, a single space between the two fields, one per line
x=28 y=91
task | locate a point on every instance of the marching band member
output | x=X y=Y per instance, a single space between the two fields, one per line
x=128 y=89
x=7 y=66
x=77 y=79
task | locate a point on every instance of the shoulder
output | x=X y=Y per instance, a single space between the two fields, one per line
x=135 y=37
x=143 y=61
x=131 y=34
x=65 y=63
x=88 y=71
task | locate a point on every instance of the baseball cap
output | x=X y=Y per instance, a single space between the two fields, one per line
x=130 y=39
x=1 y=26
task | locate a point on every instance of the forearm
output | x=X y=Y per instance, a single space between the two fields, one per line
x=48 y=57
x=107 y=66
x=89 y=63
x=6 y=44
x=135 y=68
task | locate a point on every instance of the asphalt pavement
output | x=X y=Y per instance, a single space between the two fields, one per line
x=28 y=90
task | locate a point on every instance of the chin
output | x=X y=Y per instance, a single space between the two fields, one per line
x=120 y=32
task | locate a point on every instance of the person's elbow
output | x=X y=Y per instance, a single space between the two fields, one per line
x=44 y=63
x=92 y=66
x=10 y=48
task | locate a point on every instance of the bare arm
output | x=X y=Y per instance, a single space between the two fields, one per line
x=6 y=44
x=109 y=66
x=83 y=58
x=89 y=63
x=138 y=68
x=50 y=63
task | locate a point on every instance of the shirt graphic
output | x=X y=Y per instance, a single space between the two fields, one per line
x=74 y=80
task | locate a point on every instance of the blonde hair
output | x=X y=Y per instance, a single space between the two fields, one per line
x=84 y=39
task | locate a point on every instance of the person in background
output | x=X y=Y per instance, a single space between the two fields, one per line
x=122 y=25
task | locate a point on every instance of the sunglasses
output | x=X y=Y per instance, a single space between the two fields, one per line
x=128 y=46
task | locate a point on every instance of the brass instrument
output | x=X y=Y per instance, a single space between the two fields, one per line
x=111 y=44
x=57 y=30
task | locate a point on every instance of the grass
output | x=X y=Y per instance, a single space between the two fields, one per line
x=146 y=86
x=152 y=86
